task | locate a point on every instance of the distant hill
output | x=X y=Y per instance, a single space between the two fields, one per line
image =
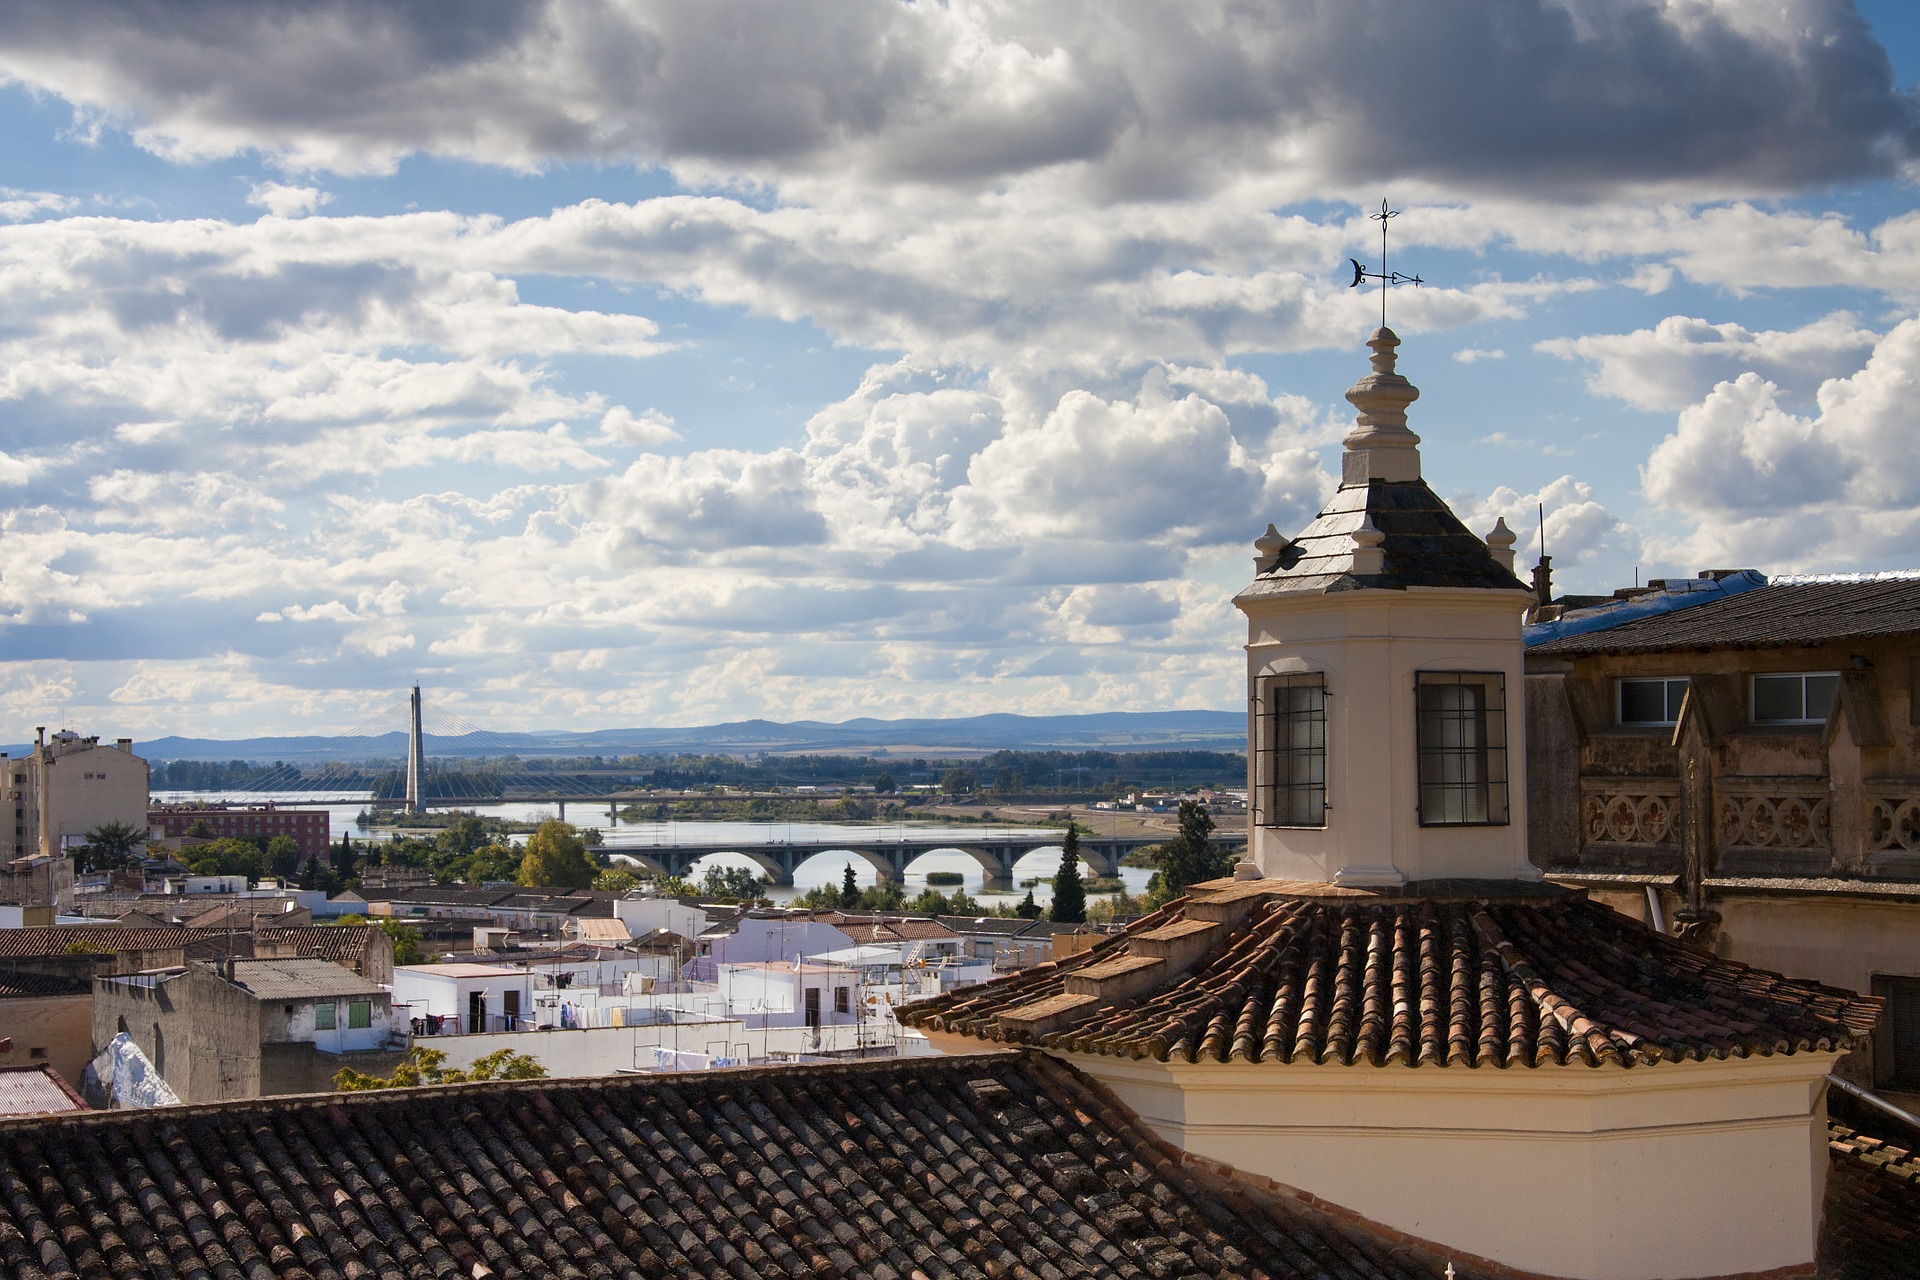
x=1103 y=731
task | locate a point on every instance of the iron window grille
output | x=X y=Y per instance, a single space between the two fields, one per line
x=1655 y=701
x=1290 y=757
x=1461 y=736
x=1794 y=697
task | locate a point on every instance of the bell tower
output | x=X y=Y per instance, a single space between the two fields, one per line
x=1384 y=678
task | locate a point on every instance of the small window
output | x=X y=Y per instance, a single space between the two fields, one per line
x=843 y=1000
x=1461 y=733
x=1804 y=697
x=1651 y=701
x=360 y=1014
x=1291 y=727
x=323 y=1014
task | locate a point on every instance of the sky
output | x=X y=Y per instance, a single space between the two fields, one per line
x=664 y=363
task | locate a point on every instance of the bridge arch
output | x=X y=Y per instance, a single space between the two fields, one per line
x=641 y=862
x=881 y=867
x=768 y=867
x=991 y=866
x=1095 y=861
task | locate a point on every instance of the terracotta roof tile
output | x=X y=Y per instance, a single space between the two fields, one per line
x=1003 y=1165
x=1463 y=974
x=340 y=943
x=28 y=986
x=59 y=939
x=1871 y=1229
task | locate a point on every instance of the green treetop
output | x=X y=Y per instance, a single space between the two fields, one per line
x=1069 y=893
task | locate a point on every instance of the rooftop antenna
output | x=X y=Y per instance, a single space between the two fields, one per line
x=1386 y=278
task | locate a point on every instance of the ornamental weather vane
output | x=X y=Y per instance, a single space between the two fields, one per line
x=1386 y=278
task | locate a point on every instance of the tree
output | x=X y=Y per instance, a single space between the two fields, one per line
x=1008 y=782
x=616 y=880
x=406 y=945
x=424 y=1066
x=111 y=844
x=556 y=856
x=883 y=783
x=283 y=855
x=849 y=887
x=1028 y=908
x=1189 y=858
x=957 y=781
x=224 y=857
x=1069 y=894
x=200 y=829
x=730 y=884
x=343 y=858
x=494 y=862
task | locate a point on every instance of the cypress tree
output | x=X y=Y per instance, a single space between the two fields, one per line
x=1069 y=895
x=849 y=888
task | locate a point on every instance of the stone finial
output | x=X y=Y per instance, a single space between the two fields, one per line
x=1246 y=868
x=1500 y=540
x=1369 y=556
x=1269 y=547
x=1380 y=447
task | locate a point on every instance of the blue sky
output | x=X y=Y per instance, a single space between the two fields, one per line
x=670 y=362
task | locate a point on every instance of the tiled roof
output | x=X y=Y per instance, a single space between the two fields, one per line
x=1006 y=1165
x=998 y=926
x=36 y=1089
x=1871 y=1229
x=902 y=928
x=1425 y=546
x=1446 y=973
x=58 y=939
x=1776 y=616
x=340 y=943
x=28 y=986
x=300 y=979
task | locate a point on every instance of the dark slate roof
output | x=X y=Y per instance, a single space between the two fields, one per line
x=1780 y=615
x=1000 y=1165
x=1467 y=973
x=1425 y=546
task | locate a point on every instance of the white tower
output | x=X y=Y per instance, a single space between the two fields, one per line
x=1384 y=680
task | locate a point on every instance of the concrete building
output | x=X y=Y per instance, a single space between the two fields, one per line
x=1388 y=1008
x=1736 y=758
x=455 y=999
x=66 y=786
x=49 y=1020
x=775 y=994
x=251 y=1028
x=311 y=829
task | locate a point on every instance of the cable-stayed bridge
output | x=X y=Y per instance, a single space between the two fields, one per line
x=450 y=762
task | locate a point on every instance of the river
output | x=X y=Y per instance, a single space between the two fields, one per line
x=823 y=869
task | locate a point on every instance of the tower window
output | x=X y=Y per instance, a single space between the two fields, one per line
x=1291 y=751
x=1461 y=732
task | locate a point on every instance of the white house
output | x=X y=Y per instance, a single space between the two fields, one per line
x=451 y=999
x=776 y=994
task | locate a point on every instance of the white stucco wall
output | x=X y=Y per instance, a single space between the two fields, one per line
x=1370 y=645
x=1672 y=1170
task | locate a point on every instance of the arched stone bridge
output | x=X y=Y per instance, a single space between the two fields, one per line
x=889 y=858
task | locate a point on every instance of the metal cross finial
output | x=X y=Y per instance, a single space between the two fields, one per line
x=1386 y=278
